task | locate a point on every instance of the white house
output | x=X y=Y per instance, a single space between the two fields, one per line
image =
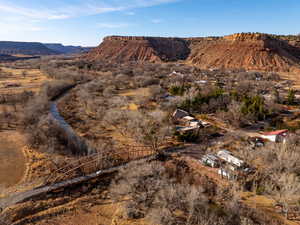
x=275 y=136
x=229 y=158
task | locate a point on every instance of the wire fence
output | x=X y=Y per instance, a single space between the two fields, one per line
x=97 y=162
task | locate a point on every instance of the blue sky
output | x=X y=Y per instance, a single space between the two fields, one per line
x=86 y=22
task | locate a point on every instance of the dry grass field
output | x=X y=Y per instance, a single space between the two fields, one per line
x=19 y=80
x=105 y=212
x=15 y=161
x=90 y=209
x=12 y=160
x=144 y=92
x=134 y=94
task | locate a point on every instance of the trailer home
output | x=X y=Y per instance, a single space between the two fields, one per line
x=229 y=158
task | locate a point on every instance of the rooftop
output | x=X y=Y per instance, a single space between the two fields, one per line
x=276 y=132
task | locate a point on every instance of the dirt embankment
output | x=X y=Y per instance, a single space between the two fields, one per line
x=251 y=51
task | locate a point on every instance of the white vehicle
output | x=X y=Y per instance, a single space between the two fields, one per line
x=98 y=172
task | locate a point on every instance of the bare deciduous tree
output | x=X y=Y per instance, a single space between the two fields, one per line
x=149 y=129
x=157 y=195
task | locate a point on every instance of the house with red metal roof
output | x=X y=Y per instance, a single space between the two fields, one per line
x=275 y=136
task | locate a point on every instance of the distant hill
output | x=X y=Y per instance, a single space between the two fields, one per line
x=251 y=51
x=69 y=49
x=10 y=58
x=38 y=49
x=4 y=57
x=25 y=48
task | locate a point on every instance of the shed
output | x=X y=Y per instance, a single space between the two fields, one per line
x=275 y=136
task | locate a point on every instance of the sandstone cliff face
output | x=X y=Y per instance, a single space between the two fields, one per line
x=122 y=49
x=251 y=51
x=247 y=37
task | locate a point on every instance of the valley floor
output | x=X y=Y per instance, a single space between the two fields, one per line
x=81 y=205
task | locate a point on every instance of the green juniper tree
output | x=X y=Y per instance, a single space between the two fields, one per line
x=291 y=97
